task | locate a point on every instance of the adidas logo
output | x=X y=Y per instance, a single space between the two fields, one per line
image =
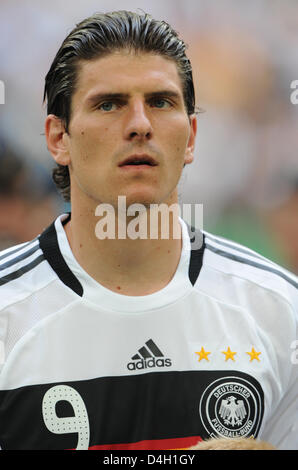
x=148 y=356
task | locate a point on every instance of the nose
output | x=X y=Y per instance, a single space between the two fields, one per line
x=137 y=123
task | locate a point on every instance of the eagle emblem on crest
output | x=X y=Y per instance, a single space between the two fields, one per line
x=232 y=411
x=232 y=406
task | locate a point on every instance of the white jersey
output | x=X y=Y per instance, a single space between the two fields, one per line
x=214 y=353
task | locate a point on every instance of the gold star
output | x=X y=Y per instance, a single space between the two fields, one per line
x=203 y=354
x=253 y=355
x=229 y=354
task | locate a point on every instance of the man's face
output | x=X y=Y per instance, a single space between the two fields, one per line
x=128 y=106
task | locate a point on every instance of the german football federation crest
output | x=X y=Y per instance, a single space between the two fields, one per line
x=232 y=407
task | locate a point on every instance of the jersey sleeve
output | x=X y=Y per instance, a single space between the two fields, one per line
x=282 y=428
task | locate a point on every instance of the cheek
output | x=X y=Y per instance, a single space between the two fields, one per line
x=178 y=136
x=85 y=148
x=179 y=146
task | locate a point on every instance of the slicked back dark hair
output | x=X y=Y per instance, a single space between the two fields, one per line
x=100 y=35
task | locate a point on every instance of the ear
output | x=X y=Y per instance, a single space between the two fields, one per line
x=189 y=153
x=57 y=139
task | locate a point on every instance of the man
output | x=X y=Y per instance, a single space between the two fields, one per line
x=125 y=342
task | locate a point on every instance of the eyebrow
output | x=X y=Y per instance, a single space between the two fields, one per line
x=94 y=99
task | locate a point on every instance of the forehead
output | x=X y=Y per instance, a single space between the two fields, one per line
x=125 y=72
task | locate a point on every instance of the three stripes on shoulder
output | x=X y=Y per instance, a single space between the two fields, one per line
x=241 y=254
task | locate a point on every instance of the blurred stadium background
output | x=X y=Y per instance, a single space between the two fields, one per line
x=244 y=56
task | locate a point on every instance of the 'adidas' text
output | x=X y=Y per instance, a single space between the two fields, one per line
x=144 y=364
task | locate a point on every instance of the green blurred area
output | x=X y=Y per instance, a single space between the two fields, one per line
x=246 y=228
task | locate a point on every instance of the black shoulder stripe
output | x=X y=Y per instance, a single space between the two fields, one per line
x=19 y=258
x=19 y=272
x=19 y=248
x=235 y=247
x=264 y=267
x=49 y=244
x=196 y=254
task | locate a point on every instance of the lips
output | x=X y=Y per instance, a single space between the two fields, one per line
x=135 y=160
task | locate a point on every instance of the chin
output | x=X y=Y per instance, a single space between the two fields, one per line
x=145 y=200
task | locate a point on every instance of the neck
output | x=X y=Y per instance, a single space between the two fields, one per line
x=128 y=255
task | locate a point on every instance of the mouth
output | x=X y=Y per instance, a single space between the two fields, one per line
x=135 y=161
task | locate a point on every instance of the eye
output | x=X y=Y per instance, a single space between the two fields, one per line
x=108 y=106
x=161 y=103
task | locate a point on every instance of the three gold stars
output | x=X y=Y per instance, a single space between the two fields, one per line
x=229 y=354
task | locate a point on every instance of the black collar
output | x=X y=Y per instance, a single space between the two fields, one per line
x=49 y=245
